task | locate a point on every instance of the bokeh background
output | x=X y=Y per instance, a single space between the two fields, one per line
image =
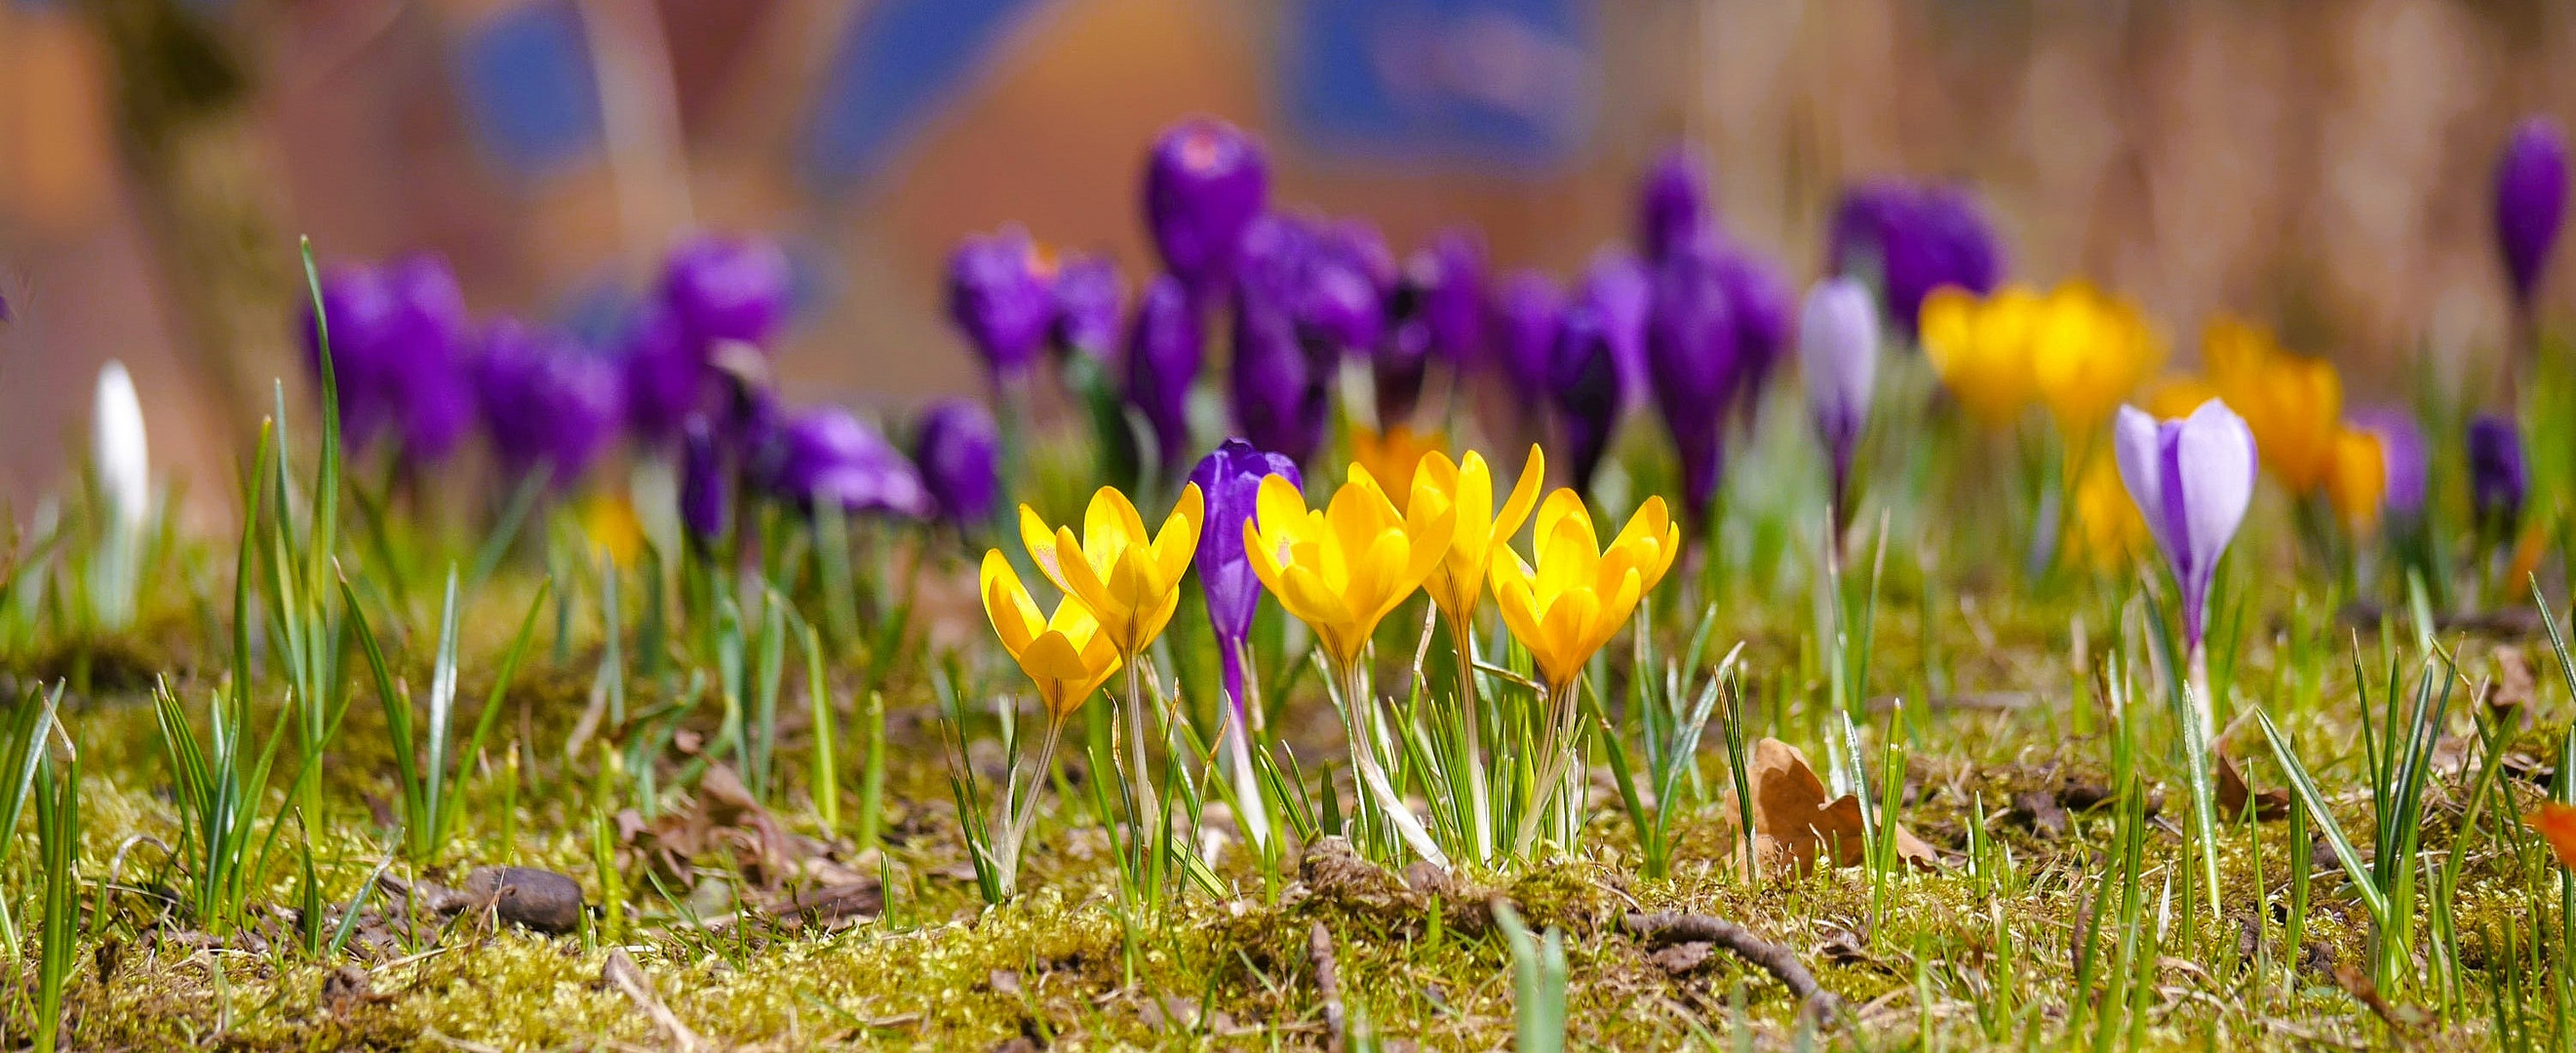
x=2320 y=166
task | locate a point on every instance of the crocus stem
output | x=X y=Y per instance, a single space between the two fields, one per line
x=1024 y=807
x=2201 y=707
x=1462 y=632
x=1555 y=748
x=1137 y=776
x=1374 y=788
x=1251 y=811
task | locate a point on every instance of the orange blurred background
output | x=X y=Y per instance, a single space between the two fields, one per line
x=2321 y=166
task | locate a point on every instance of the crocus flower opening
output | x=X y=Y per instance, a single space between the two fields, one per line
x=1578 y=594
x=2401 y=448
x=1163 y=363
x=721 y=287
x=1694 y=360
x=118 y=451
x=959 y=454
x=2498 y=476
x=2530 y=202
x=706 y=485
x=1231 y=480
x=1066 y=655
x=1672 y=207
x=1343 y=568
x=547 y=400
x=1838 y=353
x=828 y=454
x=1089 y=299
x=1130 y=579
x=2191 y=479
x=1000 y=294
x=1205 y=181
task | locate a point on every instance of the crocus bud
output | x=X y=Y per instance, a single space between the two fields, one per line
x=1589 y=391
x=359 y=309
x=959 y=455
x=1282 y=395
x=2401 y=448
x=1913 y=239
x=1526 y=314
x=2191 y=479
x=1838 y=352
x=1672 y=207
x=2531 y=201
x=2498 y=477
x=546 y=400
x=828 y=454
x=118 y=451
x=425 y=355
x=999 y=295
x=1693 y=360
x=729 y=288
x=1088 y=302
x=1163 y=353
x=1230 y=479
x=706 y=484
x=1204 y=182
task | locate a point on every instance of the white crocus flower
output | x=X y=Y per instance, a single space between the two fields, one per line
x=117 y=447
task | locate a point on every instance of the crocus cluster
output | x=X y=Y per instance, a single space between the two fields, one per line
x=1910 y=238
x=401 y=354
x=2074 y=349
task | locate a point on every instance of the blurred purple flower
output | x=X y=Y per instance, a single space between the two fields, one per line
x=1526 y=314
x=706 y=484
x=1230 y=478
x=959 y=453
x=1282 y=380
x=999 y=295
x=828 y=454
x=1672 y=206
x=1618 y=287
x=425 y=356
x=1585 y=379
x=1204 y=182
x=2499 y=479
x=1451 y=274
x=547 y=400
x=1088 y=302
x=1913 y=238
x=1838 y=352
x=1348 y=275
x=1163 y=353
x=2530 y=201
x=721 y=287
x=1695 y=363
x=360 y=310
x=668 y=375
x=2401 y=450
x=2191 y=479
x=1762 y=301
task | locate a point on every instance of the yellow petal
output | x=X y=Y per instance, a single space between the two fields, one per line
x=1041 y=544
x=1524 y=494
x=1082 y=580
x=1014 y=615
x=1179 y=539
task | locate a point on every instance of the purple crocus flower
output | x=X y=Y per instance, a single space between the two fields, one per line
x=1163 y=353
x=1526 y=313
x=1590 y=393
x=1619 y=287
x=361 y=311
x=999 y=294
x=1230 y=478
x=1403 y=358
x=828 y=454
x=1672 y=207
x=728 y=288
x=1348 y=276
x=1763 y=302
x=1205 y=181
x=547 y=400
x=424 y=356
x=1088 y=302
x=1452 y=278
x=706 y=485
x=959 y=453
x=2191 y=479
x=1282 y=395
x=668 y=373
x=2401 y=450
x=2499 y=479
x=1695 y=362
x=1838 y=352
x=1913 y=239
x=2530 y=202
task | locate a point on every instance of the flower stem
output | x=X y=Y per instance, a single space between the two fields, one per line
x=1138 y=777
x=1480 y=821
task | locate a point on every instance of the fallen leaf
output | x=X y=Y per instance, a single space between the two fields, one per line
x=1795 y=823
x=2557 y=825
x=2233 y=794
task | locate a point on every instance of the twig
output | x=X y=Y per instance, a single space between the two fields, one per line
x=1666 y=929
x=621 y=973
x=1328 y=983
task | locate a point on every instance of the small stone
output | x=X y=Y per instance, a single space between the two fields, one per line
x=542 y=900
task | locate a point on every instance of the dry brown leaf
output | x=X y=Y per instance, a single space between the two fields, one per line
x=2233 y=794
x=1794 y=823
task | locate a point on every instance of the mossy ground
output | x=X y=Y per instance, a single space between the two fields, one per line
x=1948 y=958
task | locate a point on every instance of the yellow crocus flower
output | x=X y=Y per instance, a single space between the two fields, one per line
x=1580 y=593
x=1467 y=486
x=1342 y=568
x=2089 y=351
x=1130 y=580
x=2356 y=479
x=2174 y=397
x=1981 y=348
x=2292 y=403
x=2107 y=532
x=1066 y=655
x=1392 y=455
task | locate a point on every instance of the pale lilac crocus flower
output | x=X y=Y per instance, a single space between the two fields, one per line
x=2191 y=479
x=1838 y=352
